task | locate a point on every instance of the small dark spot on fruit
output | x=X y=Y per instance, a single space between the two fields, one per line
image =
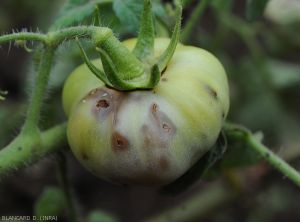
x=102 y=103
x=119 y=142
x=166 y=127
x=223 y=115
x=19 y=148
x=84 y=156
x=164 y=79
x=211 y=91
x=154 y=108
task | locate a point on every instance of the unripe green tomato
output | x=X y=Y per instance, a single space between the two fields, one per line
x=148 y=137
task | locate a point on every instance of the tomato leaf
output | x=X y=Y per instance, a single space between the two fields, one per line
x=221 y=5
x=71 y=4
x=255 y=9
x=128 y=12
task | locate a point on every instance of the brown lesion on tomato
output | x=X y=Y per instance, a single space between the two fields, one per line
x=102 y=103
x=84 y=156
x=166 y=127
x=159 y=131
x=164 y=79
x=211 y=91
x=105 y=102
x=119 y=142
x=154 y=108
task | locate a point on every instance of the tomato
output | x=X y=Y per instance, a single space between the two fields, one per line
x=149 y=137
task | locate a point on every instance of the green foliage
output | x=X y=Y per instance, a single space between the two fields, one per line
x=129 y=12
x=284 y=74
x=259 y=81
x=100 y=216
x=222 y=6
x=255 y=9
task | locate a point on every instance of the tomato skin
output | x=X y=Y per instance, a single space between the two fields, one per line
x=148 y=137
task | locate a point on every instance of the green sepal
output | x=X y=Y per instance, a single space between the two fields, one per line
x=145 y=41
x=97 y=72
x=111 y=71
x=144 y=82
x=165 y=58
x=155 y=77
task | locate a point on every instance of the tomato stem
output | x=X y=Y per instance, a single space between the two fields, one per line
x=28 y=149
x=34 y=109
x=264 y=151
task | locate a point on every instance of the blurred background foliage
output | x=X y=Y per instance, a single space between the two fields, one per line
x=261 y=54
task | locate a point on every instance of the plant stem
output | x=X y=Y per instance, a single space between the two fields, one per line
x=198 y=205
x=277 y=162
x=65 y=185
x=33 y=113
x=27 y=149
x=197 y=13
x=274 y=160
x=30 y=36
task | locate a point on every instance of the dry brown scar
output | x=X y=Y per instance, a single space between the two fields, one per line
x=102 y=103
x=119 y=142
x=211 y=91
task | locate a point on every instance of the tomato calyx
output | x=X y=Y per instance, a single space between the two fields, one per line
x=124 y=70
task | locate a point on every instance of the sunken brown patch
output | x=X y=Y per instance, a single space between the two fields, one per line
x=159 y=131
x=102 y=103
x=211 y=91
x=84 y=156
x=119 y=142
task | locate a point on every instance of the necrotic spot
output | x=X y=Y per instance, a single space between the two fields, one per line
x=211 y=91
x=119 y=142
x=102 y=103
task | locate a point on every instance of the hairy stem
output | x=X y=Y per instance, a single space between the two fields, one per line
x=27 y=149
x=27 y=36
x=274 y=160
x=190 y=25
x=265 y=152
x=33 y=113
